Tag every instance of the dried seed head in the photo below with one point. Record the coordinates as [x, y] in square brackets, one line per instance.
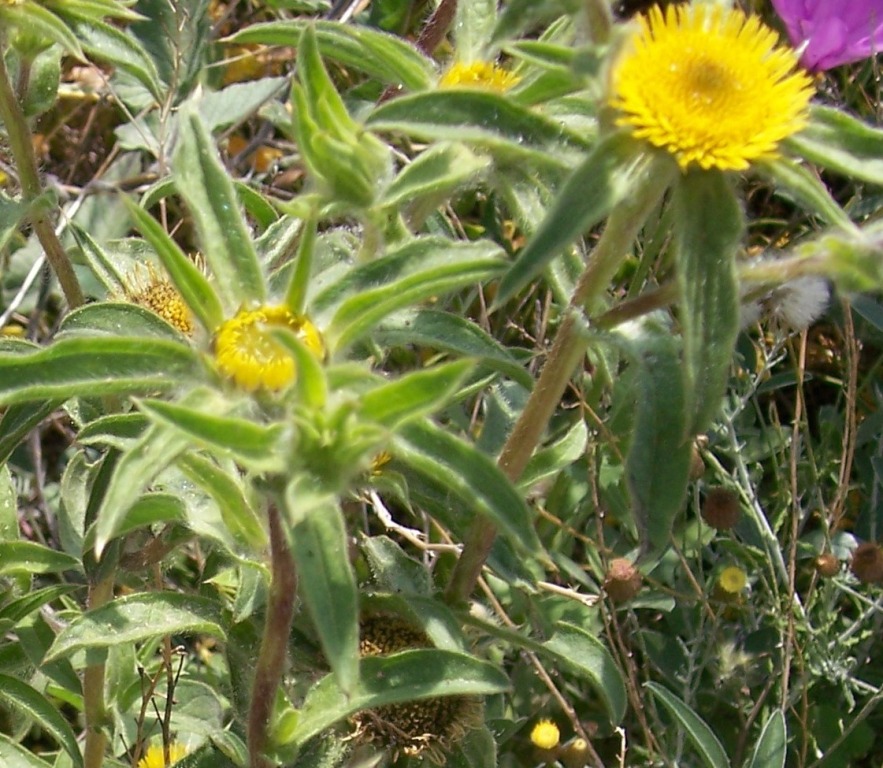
[867, 563]
[426, 728]
[721, 509]
[623, 580]
[827, 565]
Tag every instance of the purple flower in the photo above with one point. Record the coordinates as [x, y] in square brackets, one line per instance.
[833, 32]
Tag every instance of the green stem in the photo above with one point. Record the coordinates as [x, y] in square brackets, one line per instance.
[274, 644]
[100, 593]
[22, 148]
[567, 351]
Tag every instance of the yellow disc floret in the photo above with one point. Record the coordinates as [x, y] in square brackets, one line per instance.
[247, 353]
[710, 85]
[484, 75]
[732, 580]
[545, 735]
[154, 757]
[146, 287]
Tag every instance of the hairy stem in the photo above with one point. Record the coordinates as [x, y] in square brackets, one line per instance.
[22, 148]
[274, 644]
[567, 351]
[437, 26]
[100, 593]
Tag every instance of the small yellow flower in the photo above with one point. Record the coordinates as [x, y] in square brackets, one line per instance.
[732, 580]
[155, 758]
[155, 292]
[483, 75]
[247, 353]
[709, 85]
[545, 735]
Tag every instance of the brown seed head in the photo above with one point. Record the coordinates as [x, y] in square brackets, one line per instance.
[827, 565]
[867, 563]
[623, 580]
[721, 509]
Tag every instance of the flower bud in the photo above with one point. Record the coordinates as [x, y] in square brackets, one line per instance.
[867, 563]
[827, 565]
[721, 509]
[623, 580]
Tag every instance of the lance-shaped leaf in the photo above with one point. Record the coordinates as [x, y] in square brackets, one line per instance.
[13, 755]
[708, 231]
[471, 477]
[39, 21]
[386, 57]
[399, 280]
[772, 746]
[610, 173]
[839, 142]
[191, 283]
[658, 461]
[136, 618]
[451, 333]
[203, 422]
[117, 319]
[23, 697]
[22, 607]
[28, 557]
[204, 184]
[18, 420]
[482, 118]
[94, 367]
[575, 648]
[238, 515]
[706, 743]
[415, 394]
[411, 675]
[325, 578]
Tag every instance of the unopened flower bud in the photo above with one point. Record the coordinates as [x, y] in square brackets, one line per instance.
[827, 565]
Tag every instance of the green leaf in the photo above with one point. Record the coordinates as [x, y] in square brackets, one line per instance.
[658, 462]
[549, 461]
[573, 647]
[483, 118]
[470, 476]
[148, 510]
[23, 697]
[400, 279]
[805, 187]
[386, 57]
[253, 444]
[116, 319]
[473, 26]
[437, 172]
[609, 174]
[107, 43]
[94, 367]
[325, 579]
[21, 607]
[710, 749]
[414, 394]
[96, 257]
[238, 515]
[311, 384]
[14, 756]
[17, 422]
[8, 505]
[708, 231]
[158, 447]
[521, 15]
[772, 746]
[28, 557]
[136, 618]
[451, 333]
[117, 430]
[412, 675]
[37, 21]
[236, 102]
[188, 278]
[204, 184]
[392, 570]
[839, 142]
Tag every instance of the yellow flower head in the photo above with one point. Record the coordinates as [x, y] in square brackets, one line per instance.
[247, 353]
[155, 758]
[709, 85]
[545, 735]
[732, 580]
[483, 75]
[155, 292]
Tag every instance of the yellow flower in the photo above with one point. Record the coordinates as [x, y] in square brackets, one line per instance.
[155, 758]
[545, 735]
[732, 580]
[710, 86]
[155, 292]
[483, 75]
[246, 351]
